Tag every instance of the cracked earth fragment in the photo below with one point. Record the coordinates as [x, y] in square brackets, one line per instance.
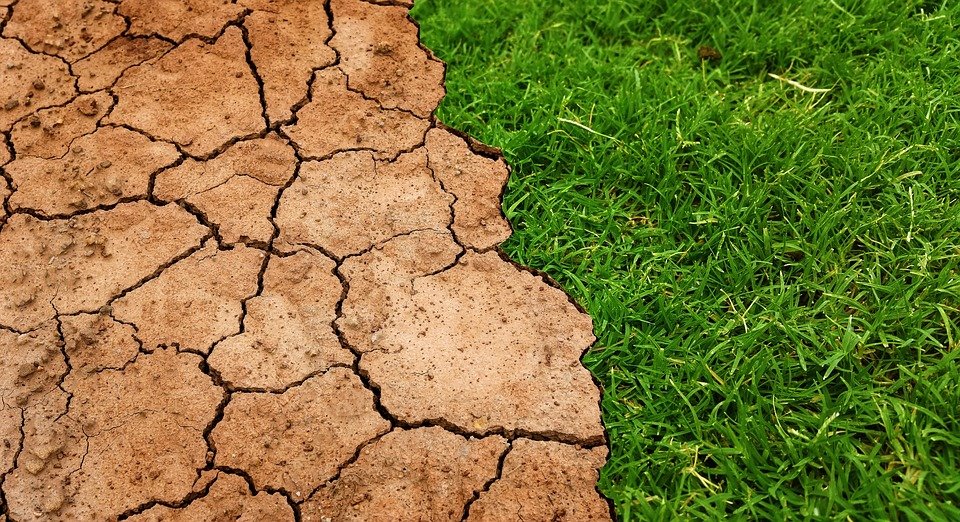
[70, 29]
[237, 189]
[102, 68]
[30, 81]
[49, 132]
[208, 287]
[337, 119]
[564, 475]
[121, 444]
[101, 168]
[409, 473]
[482, 345]
[246, 275]
[178, 19]
[476, 182]
[229, 498]
[288, 41]
[297, 440]
[381, 54]
[301, 293]
[79, 264]
[400, 197]
[198, 95]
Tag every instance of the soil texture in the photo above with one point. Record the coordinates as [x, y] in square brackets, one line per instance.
[245, 274]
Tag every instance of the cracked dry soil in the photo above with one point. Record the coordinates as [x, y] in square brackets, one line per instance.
[246, 275]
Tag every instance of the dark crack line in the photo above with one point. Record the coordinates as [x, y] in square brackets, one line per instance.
[105, 207]
[181, 504]
[349, 462]
[62, 344]
[390, 3]
[251, 485]
[280, 391]
[486, 486]
[212, 39]
[156, 273]
[245, 35]
[4, 506]
[211, 372]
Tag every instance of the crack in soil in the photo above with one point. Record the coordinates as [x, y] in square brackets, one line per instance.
[486, 487]
[447, 345]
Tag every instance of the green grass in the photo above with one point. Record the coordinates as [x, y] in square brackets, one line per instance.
[773, 273]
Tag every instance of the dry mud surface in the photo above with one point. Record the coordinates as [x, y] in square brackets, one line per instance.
[246, 275]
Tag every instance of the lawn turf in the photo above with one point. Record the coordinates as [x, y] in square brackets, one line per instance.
[768, 242]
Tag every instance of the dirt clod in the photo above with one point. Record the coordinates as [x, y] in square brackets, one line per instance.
[246, 275]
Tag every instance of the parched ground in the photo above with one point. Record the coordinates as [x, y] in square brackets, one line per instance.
[245, 274]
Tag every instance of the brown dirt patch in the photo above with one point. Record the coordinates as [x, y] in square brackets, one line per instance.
[246, 275]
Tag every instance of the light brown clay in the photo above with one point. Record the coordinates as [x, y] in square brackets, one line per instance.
[177, 19]
[337, 120]
[399, 197]
[123, 444]
[198, 95]
[380, 53]
[195, 302]
[71, 29]
[227, 499]
[298, 440]
[237, 189]
[29, 82]
[482, 345]
[67, 266]
[564, 478]
[100, 168]
[420, 474]
[301, 293]
[4, 151]
[49, 132]
[288, 41]
[246, 275]
[477, 182]
[102, 68]
[4, 196]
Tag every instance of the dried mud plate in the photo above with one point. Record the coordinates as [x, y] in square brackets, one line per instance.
[245, 274]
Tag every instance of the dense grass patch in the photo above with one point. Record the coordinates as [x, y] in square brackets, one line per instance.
[772, 267]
